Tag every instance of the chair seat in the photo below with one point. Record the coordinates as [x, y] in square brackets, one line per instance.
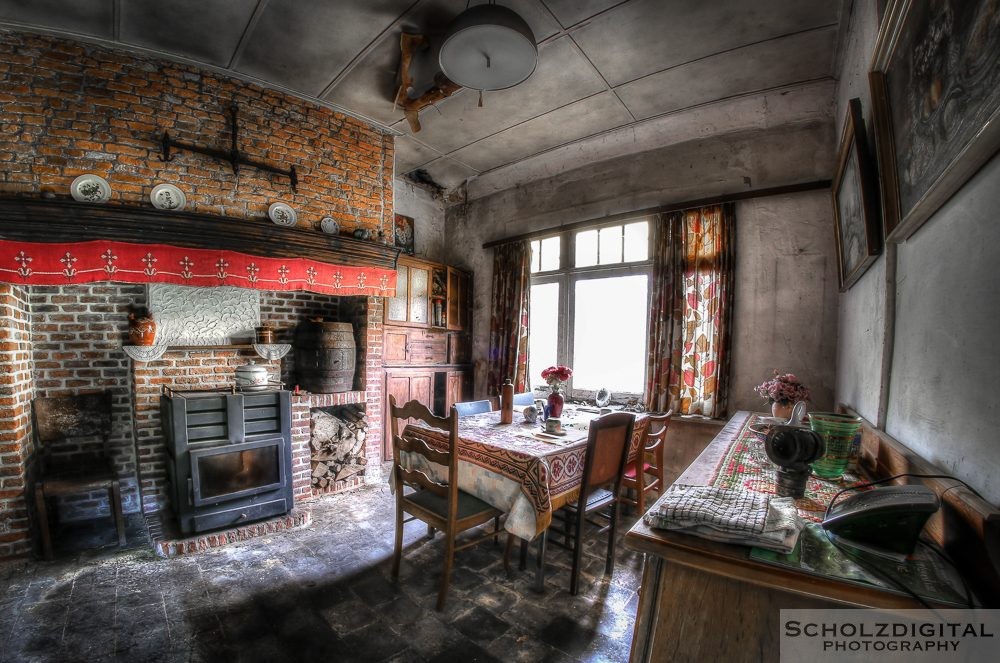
[469, 506]
[598, 498]
[647, 468]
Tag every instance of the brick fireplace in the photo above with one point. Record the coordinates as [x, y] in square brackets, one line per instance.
[82, 108]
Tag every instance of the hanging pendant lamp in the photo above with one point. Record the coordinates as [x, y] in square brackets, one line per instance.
[488, 47]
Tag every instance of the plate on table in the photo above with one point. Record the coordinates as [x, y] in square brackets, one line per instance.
[281, 214]
[90, 188]
[772, 421]
[167, 196]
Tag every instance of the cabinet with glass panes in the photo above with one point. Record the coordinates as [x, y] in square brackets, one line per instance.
[430, 295]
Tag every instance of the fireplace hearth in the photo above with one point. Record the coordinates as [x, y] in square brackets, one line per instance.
[230, 456]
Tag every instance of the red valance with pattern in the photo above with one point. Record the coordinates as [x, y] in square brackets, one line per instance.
[43, 263]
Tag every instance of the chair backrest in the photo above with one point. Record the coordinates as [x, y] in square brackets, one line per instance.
[473, 407]
[656, 432]
[445, 486]
[524, 399]
[607, 449]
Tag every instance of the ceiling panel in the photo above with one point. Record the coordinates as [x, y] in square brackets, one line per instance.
[168, 26]
[644, 36]
[304, 44]
[583, 118]
[769, 64]
[86, 17]
[410, 154]
[562, 77]
[448, 173]
[571, 12]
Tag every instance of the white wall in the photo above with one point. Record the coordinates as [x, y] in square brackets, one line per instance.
[427, 210]
[796, 230]
[942, 395]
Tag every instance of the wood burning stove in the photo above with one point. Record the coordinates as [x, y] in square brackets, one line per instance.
[230, 456]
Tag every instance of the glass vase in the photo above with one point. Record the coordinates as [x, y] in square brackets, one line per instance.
[556, 401]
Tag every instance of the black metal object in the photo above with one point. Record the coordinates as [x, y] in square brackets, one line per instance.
[233, 156]
[230, 456]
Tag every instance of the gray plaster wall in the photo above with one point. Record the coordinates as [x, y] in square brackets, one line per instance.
[786, 296]
[943, 400]
[940, 398]
[798, 229]
[428, 212]
[861, 337]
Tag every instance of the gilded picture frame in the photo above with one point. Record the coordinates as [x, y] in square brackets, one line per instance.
[935, 86]
[855, 201]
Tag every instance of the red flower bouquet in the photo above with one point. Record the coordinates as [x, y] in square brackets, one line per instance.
[556, 375]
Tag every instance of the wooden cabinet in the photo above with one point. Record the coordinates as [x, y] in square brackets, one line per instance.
[427, 338]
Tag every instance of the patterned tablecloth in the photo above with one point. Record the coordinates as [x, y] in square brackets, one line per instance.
[510, 467]
[745, 465]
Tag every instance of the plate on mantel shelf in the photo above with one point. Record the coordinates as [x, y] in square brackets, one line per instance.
[281, 214]
[90, 188]
[168, 197]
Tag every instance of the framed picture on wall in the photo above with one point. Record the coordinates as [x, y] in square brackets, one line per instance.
[935, 85]
[855, 201]
[403, 234]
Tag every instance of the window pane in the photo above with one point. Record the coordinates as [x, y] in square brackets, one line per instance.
[611, 245]
[636, 241]
[544, 321]
[609, 326]
[535, 258]
[550, 254]
[586, 248]
[418, 295]
[397, 304]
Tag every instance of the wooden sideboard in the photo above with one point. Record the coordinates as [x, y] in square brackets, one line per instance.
[702, 600]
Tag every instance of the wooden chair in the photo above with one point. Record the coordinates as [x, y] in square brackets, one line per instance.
[439, 503]
[473, 407]
[61, 418]
[650, 460]
[607, 451]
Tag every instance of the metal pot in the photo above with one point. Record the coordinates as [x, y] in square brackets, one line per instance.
[251, 375]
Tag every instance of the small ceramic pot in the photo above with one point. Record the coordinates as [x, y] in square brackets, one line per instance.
[251, 376]
[531, 414]
[141, 329]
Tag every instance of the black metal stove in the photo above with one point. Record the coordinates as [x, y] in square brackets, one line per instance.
[230, 456]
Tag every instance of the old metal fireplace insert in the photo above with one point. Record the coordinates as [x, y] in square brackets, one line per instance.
[230, 456]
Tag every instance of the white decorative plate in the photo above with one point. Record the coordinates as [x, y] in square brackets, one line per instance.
[167, 196]
[329, 225]
[90, 189]
[281, 214]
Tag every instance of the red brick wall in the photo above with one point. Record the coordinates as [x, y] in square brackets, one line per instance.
[15, 420]
[68, 108]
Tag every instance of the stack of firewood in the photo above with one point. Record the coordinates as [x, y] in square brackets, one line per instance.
[338, 446]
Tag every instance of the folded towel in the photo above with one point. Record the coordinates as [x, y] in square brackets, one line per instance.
[730, 516]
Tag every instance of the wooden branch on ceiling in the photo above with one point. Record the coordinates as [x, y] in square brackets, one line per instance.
[443, 87]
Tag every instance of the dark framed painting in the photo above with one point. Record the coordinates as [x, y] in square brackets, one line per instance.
[935, 85]
[403, 234]
[855, 201]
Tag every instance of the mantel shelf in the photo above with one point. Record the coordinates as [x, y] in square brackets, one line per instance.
[36, 220]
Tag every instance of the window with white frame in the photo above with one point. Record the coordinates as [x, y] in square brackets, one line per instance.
[589, 303]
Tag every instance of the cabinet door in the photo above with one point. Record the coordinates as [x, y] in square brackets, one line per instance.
[458, 296]
[422, 389]
[395, 349]
[454, 389]
[396, 307]
[419, 289]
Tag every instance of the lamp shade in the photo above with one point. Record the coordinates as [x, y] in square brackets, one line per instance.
[488, 47]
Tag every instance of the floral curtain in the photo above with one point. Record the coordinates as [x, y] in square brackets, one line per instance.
[508, 353]
[691, 311]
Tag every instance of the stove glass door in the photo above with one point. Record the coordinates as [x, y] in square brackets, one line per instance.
[233, 471]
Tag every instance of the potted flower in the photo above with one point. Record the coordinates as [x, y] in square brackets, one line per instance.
[556, 376]
[782, 392]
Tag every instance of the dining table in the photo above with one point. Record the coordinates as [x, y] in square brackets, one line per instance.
[520, 469]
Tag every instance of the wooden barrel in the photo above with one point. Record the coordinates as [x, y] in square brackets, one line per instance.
[325, 356]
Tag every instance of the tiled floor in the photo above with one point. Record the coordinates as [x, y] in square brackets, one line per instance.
[321, 593]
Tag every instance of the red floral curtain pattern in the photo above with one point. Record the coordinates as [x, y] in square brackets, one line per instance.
[690, 352]
[508, 353]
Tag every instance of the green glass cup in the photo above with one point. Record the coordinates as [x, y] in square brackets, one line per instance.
[838, 432]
